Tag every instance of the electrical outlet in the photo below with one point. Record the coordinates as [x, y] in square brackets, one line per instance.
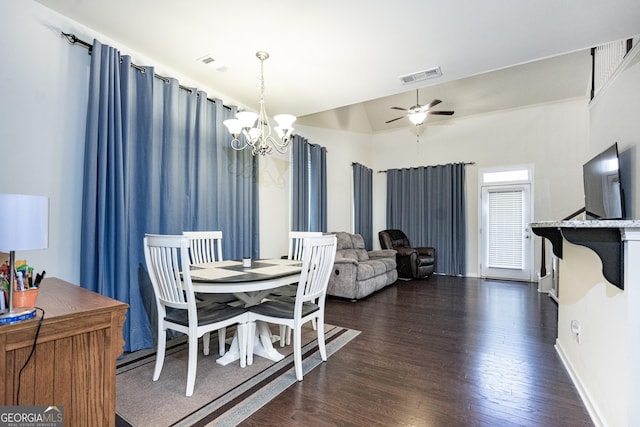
[575, 329]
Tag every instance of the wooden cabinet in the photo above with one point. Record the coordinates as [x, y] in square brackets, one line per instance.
[74, 362]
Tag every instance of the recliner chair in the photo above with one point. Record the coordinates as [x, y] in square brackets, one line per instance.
[412, 263]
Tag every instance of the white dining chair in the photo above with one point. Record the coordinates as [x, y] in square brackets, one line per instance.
[206, 247]
[317, 262]
[178, 309]
[295, 249]
[296, 240]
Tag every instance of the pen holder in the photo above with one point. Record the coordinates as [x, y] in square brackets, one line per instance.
[23, 299]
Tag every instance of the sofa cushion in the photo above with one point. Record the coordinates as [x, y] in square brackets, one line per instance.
[352, 245]
[357, 241]
[362, 254]
[358, 245]
[348, 254]
[372, 268]
[343, 240]
[398, 238]
[425, 260]
[389, 263]
[365, 271]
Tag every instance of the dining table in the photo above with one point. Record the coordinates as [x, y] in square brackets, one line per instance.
[251, 285]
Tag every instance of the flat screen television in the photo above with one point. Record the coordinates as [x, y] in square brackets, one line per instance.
[603, 193]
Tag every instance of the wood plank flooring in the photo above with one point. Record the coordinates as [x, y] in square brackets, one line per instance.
[447, 351]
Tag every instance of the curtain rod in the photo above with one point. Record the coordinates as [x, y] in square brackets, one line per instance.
[432, 166]
[73, 39]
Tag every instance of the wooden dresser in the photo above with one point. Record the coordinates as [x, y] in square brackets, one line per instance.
[74, 363]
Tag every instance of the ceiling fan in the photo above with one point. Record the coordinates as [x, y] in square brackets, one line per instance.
[418, 113]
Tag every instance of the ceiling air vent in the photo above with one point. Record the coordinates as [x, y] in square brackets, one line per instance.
[421, 75]
[213, 63]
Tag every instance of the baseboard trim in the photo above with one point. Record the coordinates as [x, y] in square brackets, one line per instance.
[582, 391]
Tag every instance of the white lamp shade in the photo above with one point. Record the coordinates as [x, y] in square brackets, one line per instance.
[233, 125]
[24, 222]
[417, 118]
[247, 118]
[284, 133]
[254, 134]
[285, 121]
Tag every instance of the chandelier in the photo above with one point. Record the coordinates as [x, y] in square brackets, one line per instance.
[253, 130]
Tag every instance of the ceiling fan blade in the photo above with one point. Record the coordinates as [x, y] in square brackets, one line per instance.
[433, 103]
[393, 120]
[442, 113]
[399, 108]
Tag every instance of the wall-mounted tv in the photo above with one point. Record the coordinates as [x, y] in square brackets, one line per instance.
[603, 193]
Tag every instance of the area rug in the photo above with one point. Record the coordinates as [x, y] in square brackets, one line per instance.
[223, 395]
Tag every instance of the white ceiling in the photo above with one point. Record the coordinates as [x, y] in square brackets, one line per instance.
[347, 55]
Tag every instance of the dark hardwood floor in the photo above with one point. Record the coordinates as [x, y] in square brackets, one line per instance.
[446, 351]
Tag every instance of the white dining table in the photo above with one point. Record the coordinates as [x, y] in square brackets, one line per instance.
[250, 285]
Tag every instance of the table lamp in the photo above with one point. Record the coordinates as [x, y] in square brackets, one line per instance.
[24, 225]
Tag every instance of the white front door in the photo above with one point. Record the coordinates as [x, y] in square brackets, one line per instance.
[505, 236]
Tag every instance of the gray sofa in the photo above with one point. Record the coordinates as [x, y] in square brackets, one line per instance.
[358, 272]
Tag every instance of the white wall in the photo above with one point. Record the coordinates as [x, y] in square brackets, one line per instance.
[604, 363]
[275, 181]
[615, 118]
[599, 361]
[44, 83]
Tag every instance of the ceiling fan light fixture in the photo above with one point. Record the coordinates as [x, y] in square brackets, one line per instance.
[418, 118]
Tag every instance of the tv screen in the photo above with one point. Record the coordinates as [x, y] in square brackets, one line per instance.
[603, 196]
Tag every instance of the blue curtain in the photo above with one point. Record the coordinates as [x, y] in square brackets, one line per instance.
[308, 186]
[157, 160]
[363, 203]
[428, 204]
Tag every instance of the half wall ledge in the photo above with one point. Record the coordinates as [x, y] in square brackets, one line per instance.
[604, 237]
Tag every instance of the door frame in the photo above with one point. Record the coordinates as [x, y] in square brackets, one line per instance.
[505, 177]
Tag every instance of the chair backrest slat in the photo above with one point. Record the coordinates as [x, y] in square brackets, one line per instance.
[296, 243]
[204, 246]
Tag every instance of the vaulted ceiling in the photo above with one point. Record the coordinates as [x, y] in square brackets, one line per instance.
[338, 63]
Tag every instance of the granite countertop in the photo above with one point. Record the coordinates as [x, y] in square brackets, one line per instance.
[609, 223]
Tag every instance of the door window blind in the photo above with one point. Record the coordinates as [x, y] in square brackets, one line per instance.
[505, 227]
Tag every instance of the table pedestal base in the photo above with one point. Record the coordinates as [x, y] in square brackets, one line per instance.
[262, 346]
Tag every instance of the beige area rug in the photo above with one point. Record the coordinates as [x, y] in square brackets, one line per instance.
[223, 395]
